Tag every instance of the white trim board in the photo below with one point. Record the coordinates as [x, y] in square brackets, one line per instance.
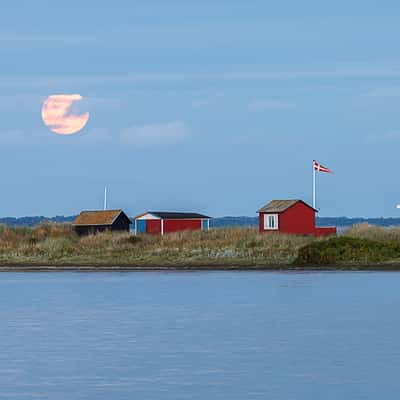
[148, 216]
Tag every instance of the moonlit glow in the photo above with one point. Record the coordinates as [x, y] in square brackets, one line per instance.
[59, 117]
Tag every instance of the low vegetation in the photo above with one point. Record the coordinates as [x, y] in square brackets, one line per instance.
[57, 244]
[373, 232]
[348, 250]
[362, 244]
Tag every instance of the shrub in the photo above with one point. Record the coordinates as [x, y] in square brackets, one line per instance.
[344, 249]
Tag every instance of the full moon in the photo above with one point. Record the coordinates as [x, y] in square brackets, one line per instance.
[59, 115]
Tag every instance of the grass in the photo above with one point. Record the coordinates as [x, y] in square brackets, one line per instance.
[372, 232]
[57, 244]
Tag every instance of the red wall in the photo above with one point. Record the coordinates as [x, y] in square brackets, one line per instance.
[153, 226]
[325, 231]
[298, 219]
[261, 222]
[175, 225]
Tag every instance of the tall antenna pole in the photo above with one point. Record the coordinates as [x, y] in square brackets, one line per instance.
[105, 198]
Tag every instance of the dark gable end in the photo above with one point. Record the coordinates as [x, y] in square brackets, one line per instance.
[121, 220]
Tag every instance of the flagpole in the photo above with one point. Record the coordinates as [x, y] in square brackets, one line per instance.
[313, 192]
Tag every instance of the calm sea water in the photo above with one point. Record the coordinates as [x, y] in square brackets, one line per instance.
[214, 335]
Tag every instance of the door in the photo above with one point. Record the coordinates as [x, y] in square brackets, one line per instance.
[204, 224]
[140, 226]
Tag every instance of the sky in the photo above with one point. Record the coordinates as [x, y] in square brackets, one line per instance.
[210, 106]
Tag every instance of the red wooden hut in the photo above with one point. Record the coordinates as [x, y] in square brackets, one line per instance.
[292, 217]
[160, 222]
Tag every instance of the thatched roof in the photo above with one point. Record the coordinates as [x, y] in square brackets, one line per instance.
[106, 217]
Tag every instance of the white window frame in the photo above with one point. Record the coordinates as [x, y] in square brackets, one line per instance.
[267, 226]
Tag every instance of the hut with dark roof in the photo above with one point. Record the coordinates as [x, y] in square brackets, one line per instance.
[160, 222]
[99, 221]
[291, 217]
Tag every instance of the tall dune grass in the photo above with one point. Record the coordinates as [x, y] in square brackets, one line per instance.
[373, 232]
[49, 243]
[58, 244]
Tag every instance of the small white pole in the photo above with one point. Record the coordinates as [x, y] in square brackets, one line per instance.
[314, 189]
[162, 227]
[105, 198]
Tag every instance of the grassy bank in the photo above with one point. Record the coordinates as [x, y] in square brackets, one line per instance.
[58, 245]
[360, 245]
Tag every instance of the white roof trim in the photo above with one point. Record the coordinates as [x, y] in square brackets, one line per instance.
[147, 216]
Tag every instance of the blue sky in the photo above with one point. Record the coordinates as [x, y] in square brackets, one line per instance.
[212, 106]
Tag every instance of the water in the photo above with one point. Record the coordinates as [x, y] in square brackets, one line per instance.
[214, 335]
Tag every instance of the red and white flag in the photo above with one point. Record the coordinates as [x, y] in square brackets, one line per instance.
[320, 168]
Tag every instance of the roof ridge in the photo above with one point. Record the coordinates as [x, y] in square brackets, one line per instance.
[115, 209]
[281, 205]
[174, 215]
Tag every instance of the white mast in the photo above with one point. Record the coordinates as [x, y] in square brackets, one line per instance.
[105, 198]
[314, 203]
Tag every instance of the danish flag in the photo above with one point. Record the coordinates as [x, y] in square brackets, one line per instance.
[320, 168]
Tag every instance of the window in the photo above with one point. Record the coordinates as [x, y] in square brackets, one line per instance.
[270, 222]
